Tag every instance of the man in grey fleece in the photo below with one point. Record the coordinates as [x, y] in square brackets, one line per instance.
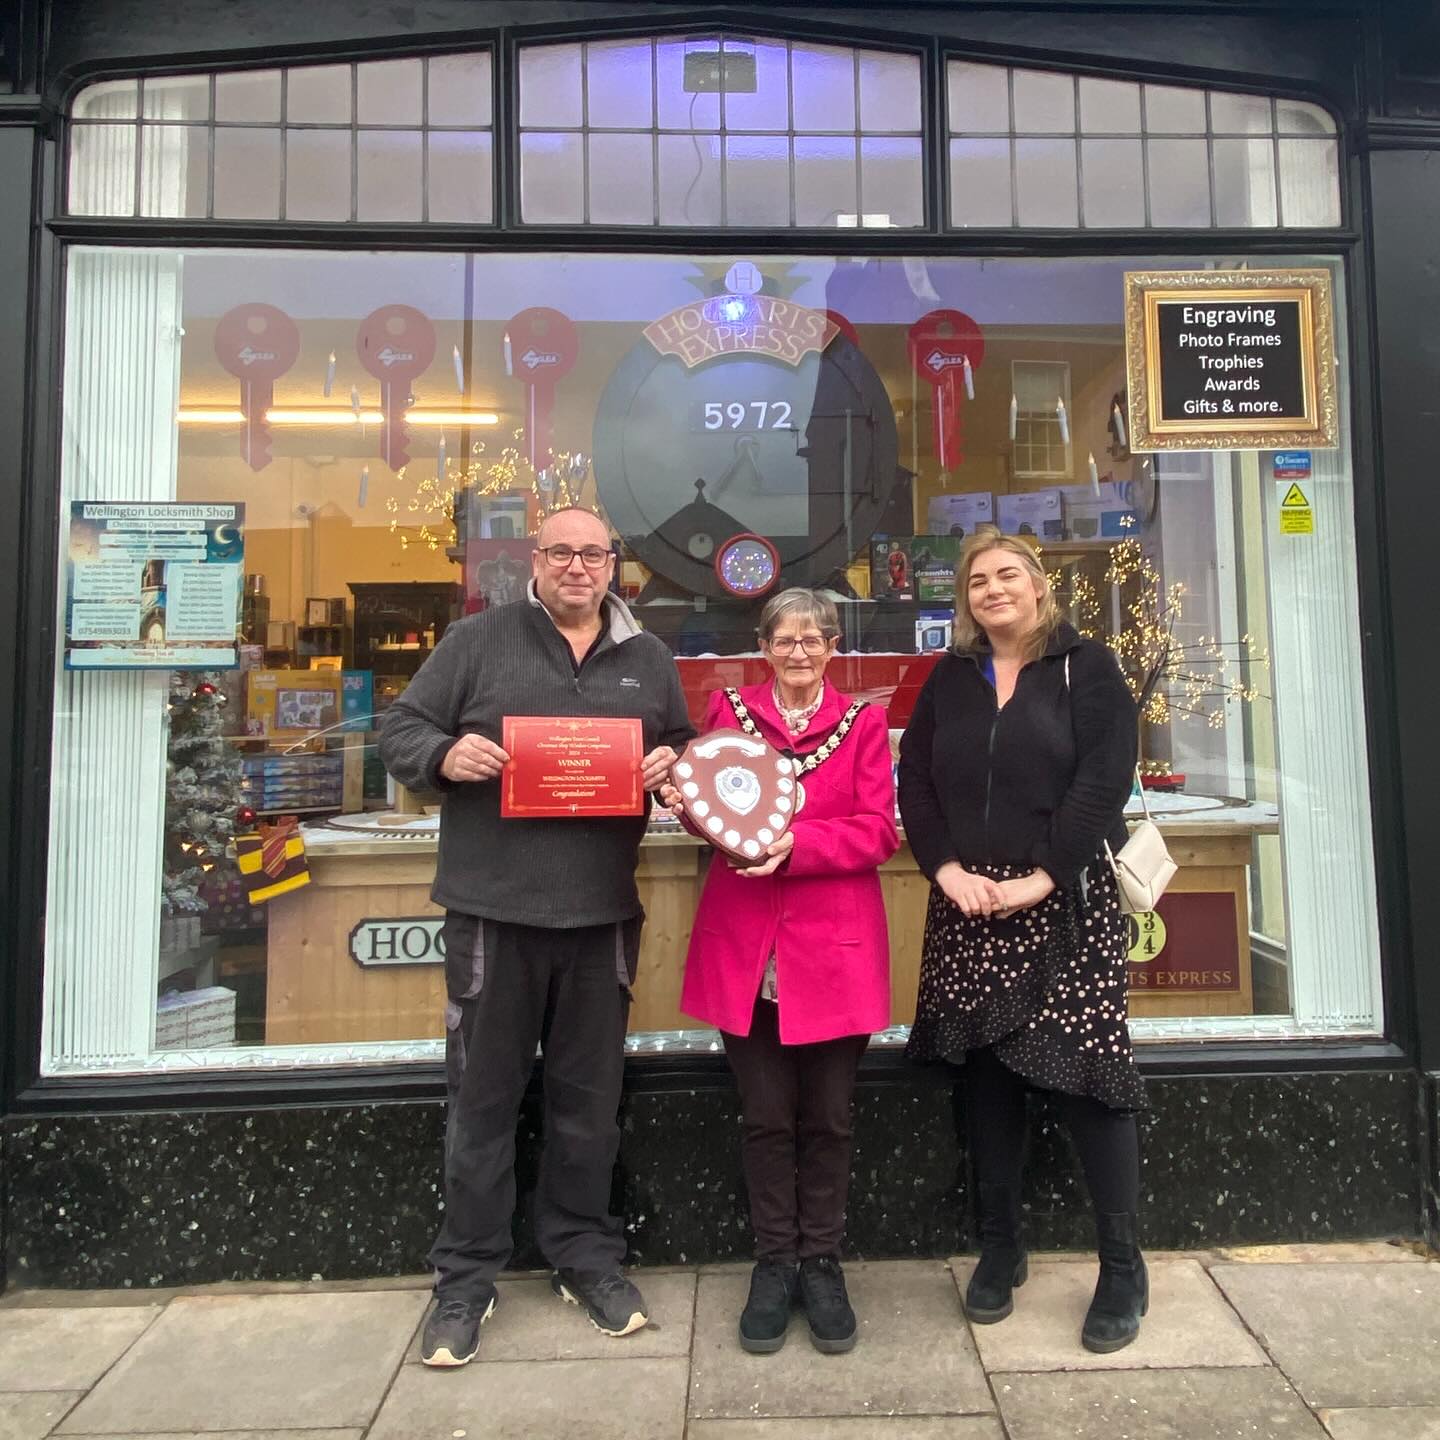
[542, 927]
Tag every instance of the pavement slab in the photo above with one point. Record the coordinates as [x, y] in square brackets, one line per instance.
[1351, 1252]
[1189, 1324]
[1249, 1404]
[914, 1355]
[639, 1399]
[232, 1435]
[1420, 1423]
[530, 1323]
[32, 1415]
[253, 1363]
[66, 1349]
[851, 1427]
[1348, 1336]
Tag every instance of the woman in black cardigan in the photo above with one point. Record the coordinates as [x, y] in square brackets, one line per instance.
[1014, 771]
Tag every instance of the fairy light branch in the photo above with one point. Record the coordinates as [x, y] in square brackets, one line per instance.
[556, 486]
[1168, 676]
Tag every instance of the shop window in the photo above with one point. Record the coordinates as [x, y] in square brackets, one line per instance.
[720, 132]
[385, 140]
[376, 515]
[1034, 149]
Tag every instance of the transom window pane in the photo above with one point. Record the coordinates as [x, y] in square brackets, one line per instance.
[745, 133]
[400, 141]
[1147, 155]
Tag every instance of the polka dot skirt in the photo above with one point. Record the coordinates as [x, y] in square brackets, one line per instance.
[1045, 988]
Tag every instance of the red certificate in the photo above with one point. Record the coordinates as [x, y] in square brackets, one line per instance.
[569, 766]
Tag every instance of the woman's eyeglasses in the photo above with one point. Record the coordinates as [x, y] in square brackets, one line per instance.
[592, 557]
[785, 644]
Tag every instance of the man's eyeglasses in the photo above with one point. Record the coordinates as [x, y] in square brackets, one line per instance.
[592, 557]
[810, 644]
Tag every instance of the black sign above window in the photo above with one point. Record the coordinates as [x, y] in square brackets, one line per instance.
[1230, 360]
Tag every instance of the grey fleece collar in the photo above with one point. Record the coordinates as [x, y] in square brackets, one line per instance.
[623, 625]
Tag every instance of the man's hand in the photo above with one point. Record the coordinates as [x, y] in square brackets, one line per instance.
[473, 757]
[778, 853]
[655, 767]
[1025, 890]
[974, 894]
[671, 799]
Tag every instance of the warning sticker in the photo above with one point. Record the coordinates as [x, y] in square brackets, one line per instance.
[1297, 517]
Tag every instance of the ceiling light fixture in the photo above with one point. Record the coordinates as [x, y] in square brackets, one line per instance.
[320, 415]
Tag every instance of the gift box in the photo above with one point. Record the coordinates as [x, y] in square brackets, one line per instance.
[195, 1019]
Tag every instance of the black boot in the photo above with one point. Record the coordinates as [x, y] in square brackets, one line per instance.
[766, 1317]
[1122, 1294]
[827, 1305]
[1002, 1264]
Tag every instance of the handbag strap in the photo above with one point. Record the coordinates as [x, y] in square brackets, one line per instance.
[1139, 782]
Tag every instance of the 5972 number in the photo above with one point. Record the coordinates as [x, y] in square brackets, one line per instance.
[740, 415]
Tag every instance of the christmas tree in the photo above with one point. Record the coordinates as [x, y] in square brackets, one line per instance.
[202, 790]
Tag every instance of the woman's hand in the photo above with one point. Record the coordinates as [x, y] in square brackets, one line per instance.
[1025, 890]
[974, 894]
[671, 800]
[779, 853]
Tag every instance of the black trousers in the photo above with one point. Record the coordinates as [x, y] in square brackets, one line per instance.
[511, 988]
[795, 1111]
[995, 1126]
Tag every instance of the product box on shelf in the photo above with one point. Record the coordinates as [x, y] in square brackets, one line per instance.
[195, 1019]
[292, 703]
[890, 576]
[1091, 516]
[357, 699]
[1032, 512]
[933, 559]
[960, 514]
[933, 631]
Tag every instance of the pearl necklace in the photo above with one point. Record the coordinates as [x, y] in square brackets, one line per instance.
[797, 721]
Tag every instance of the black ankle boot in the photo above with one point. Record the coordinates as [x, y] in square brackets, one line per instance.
[766, 1317]
[1002, 1266]
[1122, 1294]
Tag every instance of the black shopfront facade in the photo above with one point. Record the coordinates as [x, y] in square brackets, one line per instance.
[544, 201]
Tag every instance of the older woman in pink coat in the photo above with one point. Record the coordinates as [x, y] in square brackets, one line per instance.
[790, 959]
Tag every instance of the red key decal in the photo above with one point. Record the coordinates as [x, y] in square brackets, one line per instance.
[542, 346]
[257, 344]
[946, 348]
[396, 344]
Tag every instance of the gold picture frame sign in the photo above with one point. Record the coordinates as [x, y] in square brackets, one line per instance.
[1312, 424]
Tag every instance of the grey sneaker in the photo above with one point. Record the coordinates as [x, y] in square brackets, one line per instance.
[452, 1333]
[614, 1305]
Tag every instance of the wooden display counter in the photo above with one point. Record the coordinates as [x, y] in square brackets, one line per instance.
[340, 971]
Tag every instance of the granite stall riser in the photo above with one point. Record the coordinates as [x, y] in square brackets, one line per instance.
[146, 1199]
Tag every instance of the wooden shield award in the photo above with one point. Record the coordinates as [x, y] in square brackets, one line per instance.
[738, 791]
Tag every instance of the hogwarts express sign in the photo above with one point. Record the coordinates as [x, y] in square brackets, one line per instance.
[1187, 943]
[1231, 360]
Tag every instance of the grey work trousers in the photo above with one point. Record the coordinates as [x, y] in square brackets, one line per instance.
[511, 988]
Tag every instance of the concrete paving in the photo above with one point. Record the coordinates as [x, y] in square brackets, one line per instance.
[1308, 1343]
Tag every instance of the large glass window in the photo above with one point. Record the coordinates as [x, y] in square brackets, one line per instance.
[1036, 149]
[381, 140]
[714, 131]
[380, 505]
